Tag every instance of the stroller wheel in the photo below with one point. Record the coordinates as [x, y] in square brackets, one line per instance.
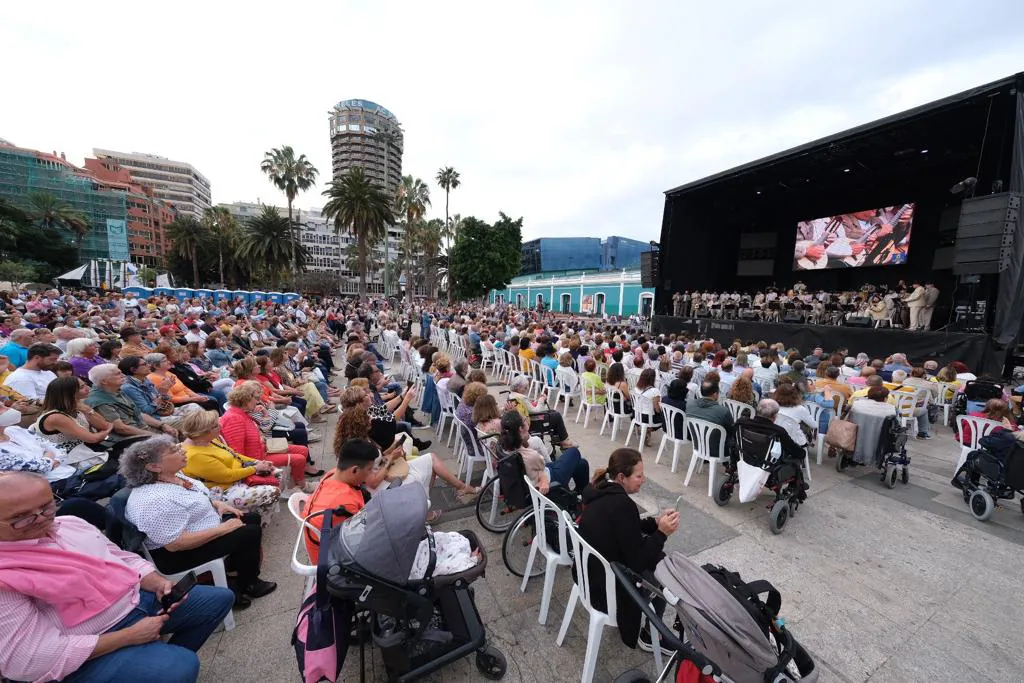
[890, 476]
[982, 505]
[491, 663]
[724, 494]
[779, 516]
[905, 475]
[633, 676]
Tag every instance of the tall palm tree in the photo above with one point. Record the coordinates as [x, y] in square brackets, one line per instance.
[268, 239]
[448, 179]
[412, 199]
[51, 212]
[361, 208]
[430, 240]
[187, 235]
[291, 175]
[223, 229]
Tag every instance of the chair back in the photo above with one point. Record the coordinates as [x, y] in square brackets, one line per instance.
[945, 392]
[547, 375]
[672, 415]
[542, 508]
[614, 398]
[568, 380]
[738, 409]
[815, 410]
[701, 431]
[632, 375]
[602, 371]
[584, 554]
[474, 449]
[589, 392]
[977, 427]
[643, 409]
[664, 379]
[445, 398]
[767, 386]
[905, 403]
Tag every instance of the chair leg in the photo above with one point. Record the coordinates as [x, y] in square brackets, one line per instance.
[549, 587]
[807, 467]
[675, 455]
[529, 566]
[220, 578]
[712, 471]
[821, 447]
[570, 607]
[661, 448]
[694, 458]
[579, 411]
[629, 434]
[604, 423]
[594, 632]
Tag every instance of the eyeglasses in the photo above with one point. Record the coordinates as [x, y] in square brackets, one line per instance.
[26, 521]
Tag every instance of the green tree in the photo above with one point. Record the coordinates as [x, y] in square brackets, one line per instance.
[17, 273]
[448, 179]
[291, 175]
[433, 264]
[362, 209]
[411, 201]
[147, 276]
[223, 230]
[484, 257]
[50, 212]
[268, 240]
[188, 236]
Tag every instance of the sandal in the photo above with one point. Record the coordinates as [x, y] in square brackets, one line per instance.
[433, 516]
[468, 493]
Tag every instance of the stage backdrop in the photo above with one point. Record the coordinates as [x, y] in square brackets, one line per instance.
[972, 349]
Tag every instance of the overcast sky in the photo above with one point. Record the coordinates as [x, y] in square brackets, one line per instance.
[576, 116]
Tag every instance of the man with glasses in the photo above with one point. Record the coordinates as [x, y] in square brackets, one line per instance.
[74, 607]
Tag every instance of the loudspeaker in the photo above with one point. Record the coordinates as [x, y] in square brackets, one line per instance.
[793, 318]
[986, 233]
[858, 321]
[649, 264]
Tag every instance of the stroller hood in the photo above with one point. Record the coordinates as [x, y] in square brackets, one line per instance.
[382, 539]
[718, 626]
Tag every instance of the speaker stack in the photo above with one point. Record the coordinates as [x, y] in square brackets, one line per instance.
[986, 233]
[858, 321]
[649, 268]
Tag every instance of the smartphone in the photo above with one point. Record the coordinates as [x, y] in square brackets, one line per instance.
[178, 593]
[402, 437]
[679, 505]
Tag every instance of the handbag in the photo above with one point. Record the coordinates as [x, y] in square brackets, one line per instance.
[842, 434]
[262, 480]
[277, 445]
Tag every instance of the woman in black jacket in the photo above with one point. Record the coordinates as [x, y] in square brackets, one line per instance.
[611, 524]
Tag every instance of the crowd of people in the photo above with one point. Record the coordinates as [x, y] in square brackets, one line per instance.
[188, 422]
[906, 306]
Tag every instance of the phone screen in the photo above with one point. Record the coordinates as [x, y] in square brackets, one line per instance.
[180, 590]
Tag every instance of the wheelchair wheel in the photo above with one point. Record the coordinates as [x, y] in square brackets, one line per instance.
[515, 549]
[779, 516]
[890, 476]
[724, 494]
[905, 475]
[491, 510]
[982, 505]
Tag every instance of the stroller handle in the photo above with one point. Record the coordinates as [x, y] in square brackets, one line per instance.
[628, 579]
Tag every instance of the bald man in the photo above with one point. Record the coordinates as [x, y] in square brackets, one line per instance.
[75, 607]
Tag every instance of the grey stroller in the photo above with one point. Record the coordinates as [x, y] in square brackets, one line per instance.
[727, 632]
[420, 626]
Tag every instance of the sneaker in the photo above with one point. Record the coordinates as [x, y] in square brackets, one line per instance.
[644, 641]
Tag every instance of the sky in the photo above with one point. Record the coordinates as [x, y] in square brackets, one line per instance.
[576, 116]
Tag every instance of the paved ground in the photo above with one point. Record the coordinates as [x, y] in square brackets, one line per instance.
[879, 585]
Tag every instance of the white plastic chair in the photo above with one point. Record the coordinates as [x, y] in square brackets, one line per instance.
[818, 438]
[908, 405]
[553, 559]
[978, 427]
[643, 419]
[944, 397]
[584, 554]
[568, 383]
[486, 358]
[671, 435]
[588, 401]
[470, 452]
[700, 432]
[612, 397]
[738, 409]
[632, 376]
[217, 571]
[447, 401]
[296, 506]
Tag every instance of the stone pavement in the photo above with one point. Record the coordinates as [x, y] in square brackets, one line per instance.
[879, 585]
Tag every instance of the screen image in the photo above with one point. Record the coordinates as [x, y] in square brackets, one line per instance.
[876, 237]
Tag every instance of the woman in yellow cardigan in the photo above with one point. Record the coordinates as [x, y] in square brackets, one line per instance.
[224, 470]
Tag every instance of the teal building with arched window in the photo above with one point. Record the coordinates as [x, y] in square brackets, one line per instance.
[587, 292]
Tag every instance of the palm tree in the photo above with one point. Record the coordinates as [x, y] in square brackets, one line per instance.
[224, 229]
[448, 179]
[430, 239]
[291, 175]
[412, 199]
[13, 223]
[268, 239]
[361, 208]
[187, 235]
[50, 212]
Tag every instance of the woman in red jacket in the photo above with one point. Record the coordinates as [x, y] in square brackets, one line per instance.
[241, 433]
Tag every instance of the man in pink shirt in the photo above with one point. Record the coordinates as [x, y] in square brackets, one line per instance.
[75, 607]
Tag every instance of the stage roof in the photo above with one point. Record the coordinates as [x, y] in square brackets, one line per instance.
[945, 132]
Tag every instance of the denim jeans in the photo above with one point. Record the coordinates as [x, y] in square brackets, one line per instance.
[570, 466]
[175, 661]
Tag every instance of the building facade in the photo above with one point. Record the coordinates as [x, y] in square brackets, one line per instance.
[176, 182]
[147, 216]
[598, 294]
[366, 135]
[105, 207]
[550, 254]
[622, 252]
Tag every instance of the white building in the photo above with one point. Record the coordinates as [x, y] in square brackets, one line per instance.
[176, 182]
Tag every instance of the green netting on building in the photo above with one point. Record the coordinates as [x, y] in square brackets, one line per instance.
[22, 173]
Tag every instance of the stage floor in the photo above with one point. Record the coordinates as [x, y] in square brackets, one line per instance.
[975, 350]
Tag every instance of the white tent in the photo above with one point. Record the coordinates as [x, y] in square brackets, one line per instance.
[76, 274]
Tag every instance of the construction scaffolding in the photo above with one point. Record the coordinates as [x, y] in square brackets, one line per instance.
[23, 172]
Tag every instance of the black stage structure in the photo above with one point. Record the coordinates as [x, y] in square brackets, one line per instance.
[736, 230]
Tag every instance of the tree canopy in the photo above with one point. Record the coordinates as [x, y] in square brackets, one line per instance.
[485, 257]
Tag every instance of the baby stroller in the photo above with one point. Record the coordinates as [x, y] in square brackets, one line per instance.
[728, 633]
[763, 463]
[975, 394]
[993, 473]
[891, 454]
[420, 626]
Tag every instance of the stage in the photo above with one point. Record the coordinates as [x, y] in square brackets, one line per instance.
[973, 349]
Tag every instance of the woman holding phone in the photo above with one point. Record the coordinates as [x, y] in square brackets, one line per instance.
[611, 523]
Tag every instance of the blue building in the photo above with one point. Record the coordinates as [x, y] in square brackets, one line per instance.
[621, 252]
[549, 254]
[614, 293]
